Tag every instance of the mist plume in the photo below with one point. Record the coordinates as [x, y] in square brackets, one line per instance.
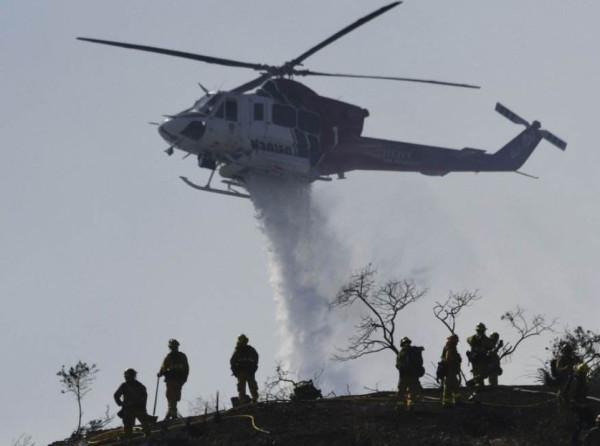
[306, 264]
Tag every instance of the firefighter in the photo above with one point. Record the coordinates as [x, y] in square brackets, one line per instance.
[175, 369]
[478, 355]
[409, 363]
[449, 372]
[494, 369]
[578, 403]
[592, 438]
[564, 368]
[580, 377]
[132, 397]
[244, 363]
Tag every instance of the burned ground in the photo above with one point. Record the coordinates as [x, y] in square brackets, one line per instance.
[508, 415]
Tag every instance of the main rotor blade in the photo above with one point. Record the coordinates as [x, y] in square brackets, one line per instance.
[341, 33]
[390, 78]
[199, 57]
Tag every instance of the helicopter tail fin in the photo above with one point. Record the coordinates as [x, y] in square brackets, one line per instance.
[514, 154]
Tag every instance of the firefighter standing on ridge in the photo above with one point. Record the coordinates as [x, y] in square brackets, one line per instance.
[244, 363]
[494, 369]
[478, 355]
[449, 372]
[175, 369]
[133, 404]
[564, 368]
[409, 363]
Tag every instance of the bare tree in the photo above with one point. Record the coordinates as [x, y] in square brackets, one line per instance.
[202, 406]
[586, 346]
[23, 440]
[377, 327]
[281, 386]
[448, 312]
[96, 425]
[525, 328]
[78, 380]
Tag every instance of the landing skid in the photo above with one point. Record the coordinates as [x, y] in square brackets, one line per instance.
[230, 191]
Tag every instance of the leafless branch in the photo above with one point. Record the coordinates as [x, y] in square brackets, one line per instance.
[524, 327]
[376, 329]
[280, 386]
[23, 440]
[448, 312]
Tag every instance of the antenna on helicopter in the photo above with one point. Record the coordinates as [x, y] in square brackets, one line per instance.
[203, 88]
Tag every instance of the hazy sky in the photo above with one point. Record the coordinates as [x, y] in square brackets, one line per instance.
[106, 254]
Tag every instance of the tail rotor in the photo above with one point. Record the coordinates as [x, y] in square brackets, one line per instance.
[513, 117]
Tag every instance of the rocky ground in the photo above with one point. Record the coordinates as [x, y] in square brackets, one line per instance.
[505, 416]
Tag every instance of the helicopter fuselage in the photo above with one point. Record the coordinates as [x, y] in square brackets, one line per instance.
[287, 129]
[283, 127]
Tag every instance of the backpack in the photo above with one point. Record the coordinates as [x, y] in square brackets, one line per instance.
[415, 360]
[441, 371]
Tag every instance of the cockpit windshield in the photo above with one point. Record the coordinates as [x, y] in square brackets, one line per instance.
[206, 104]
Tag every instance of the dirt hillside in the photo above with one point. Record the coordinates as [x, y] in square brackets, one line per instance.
[507, 415]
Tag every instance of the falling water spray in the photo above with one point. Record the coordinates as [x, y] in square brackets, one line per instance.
[307, 265]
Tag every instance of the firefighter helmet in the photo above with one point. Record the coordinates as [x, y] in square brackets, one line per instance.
[453, 339]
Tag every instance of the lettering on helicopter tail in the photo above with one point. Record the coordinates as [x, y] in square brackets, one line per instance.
[265, 146]
[395, 156]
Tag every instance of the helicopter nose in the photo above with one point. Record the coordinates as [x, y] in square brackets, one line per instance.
[168, 131]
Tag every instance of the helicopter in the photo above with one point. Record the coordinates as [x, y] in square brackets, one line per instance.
[277, 126]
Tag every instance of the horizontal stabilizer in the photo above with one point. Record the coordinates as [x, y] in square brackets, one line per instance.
[467, 151]
[553, 139]
[510, 115]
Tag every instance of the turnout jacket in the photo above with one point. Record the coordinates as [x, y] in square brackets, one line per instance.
[133, 393]
[452, 359]
[244, 359]
[175, 366]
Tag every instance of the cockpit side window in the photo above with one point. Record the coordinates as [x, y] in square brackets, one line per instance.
[231, 110]
[259, 112]
[206, 104]
[210, 105]
[220, 111]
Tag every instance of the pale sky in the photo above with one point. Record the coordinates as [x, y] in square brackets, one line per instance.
[106, 254]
